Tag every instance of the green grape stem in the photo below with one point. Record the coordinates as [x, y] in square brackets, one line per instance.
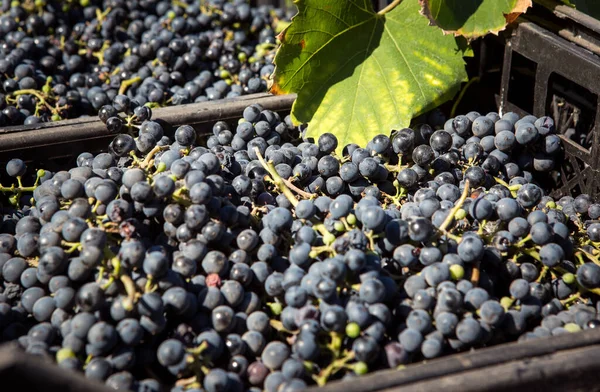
[533, 253]
[146, 162]
[523, 241]
[457, 207]
[390, 7]
[36, 94]
[127, 83]
[335, 365]
[277, 180]
[571, 299]
[543, 273]
[590, 257]
[131, 292]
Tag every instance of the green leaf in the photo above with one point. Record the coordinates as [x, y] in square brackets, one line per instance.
[473, 18]
[359, 74]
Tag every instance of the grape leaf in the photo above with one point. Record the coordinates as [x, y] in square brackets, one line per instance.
[473, 18]
[358, 73]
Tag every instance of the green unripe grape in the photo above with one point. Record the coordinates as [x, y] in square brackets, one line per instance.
[171, 14]
[506, 302]
[276, 308]
[242, 57]
[56, 117]
[15, 3]
[460, 214]
[361, 368]
[225, 74]
[572, 327]
[351, 219]
[84, 3]
[64, 353]
[161, 167]
[339, 226]
[551, 204]
[14, 200]
[328, 238]
[457, 272]
[41, 173]
[352, 330]
[46, 89]
[39, 3]
[568, 278]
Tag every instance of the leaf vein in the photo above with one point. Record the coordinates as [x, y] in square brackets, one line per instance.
[309, 31]
[323, 46]
[387, 85]
[332, 14]
[362, 68]
[407, 63]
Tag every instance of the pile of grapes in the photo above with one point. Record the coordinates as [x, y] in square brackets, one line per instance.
[65, 59]
[260, 261]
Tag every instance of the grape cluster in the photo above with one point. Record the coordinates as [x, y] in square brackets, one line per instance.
[65, 59]
[261, 261]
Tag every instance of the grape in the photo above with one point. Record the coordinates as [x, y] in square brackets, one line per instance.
[130, 331]
[43, 308]
[16, 168]
[482, 126]
[170, 352]
[529, 195]
[216, 380]
[410, 340]
[588, 275]
[419, 229]
[436, 273]
[431, 348]
[372, 291]
[541, 233]
[202, 251]
[274, 355]
[551, 254]
[470, 249]
[446, 323]
[468, 331]
[423, 155]
[519, 288]
[419, 320]
[305, 209]
[526, 133]
[475, 297]
[507, 209]
[102, 337]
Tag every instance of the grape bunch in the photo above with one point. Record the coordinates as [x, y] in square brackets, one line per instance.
[263, 261]
[66, 59]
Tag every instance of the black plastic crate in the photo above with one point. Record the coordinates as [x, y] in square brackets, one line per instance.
[24, 372]
[567, 362]
[566, 43]
[560, 363]
[57, 139]
[560, 48]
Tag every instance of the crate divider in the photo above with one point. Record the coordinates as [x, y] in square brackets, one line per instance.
[62, 138]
